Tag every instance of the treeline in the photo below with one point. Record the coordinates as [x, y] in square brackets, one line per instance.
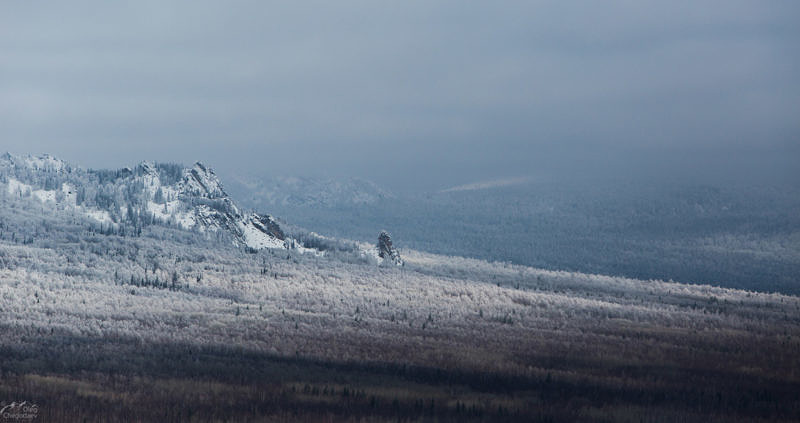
[121, 193]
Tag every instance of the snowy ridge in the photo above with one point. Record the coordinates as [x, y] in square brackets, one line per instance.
[190, 198]
[43, 163]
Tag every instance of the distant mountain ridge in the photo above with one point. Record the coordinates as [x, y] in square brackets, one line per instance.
[298, 191]
[191, 198]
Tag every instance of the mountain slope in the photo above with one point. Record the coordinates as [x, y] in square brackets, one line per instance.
[126, 199]
[174, 325]
[158, 328]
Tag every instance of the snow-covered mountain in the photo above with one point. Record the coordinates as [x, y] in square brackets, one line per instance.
[125, 199]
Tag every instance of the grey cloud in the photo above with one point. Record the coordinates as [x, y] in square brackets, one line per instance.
[445, 90]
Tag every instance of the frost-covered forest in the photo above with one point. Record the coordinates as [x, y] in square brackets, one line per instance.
[105, 323]
[735, 235]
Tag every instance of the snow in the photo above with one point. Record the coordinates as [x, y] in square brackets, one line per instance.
[18, 188]
[45, 196]
[185, 220]
[302, 300]
[369, 251]
[163, 211]
[171, 211]
[101, 216]
[45, 162]
[296, 246]
[70, 194]
[177, 203]
[254, 238]
[150, 178]
[201, 181]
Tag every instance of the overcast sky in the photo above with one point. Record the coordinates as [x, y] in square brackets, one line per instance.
[425, 94]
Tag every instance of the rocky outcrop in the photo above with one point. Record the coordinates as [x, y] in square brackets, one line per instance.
[269, 226]
[386, 250]
[191, 198]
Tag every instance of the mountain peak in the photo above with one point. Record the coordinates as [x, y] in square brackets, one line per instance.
[203, 182]
[147, 168]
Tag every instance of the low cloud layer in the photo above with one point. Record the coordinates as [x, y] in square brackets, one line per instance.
[426, 94]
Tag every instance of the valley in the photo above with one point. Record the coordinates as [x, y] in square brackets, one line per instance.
[155, 321]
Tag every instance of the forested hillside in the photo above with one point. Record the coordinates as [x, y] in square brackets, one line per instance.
[167, 323]
[124, 201]
[736, 236]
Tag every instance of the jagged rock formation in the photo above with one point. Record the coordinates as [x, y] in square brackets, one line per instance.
[386, 251]
[191, 198]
